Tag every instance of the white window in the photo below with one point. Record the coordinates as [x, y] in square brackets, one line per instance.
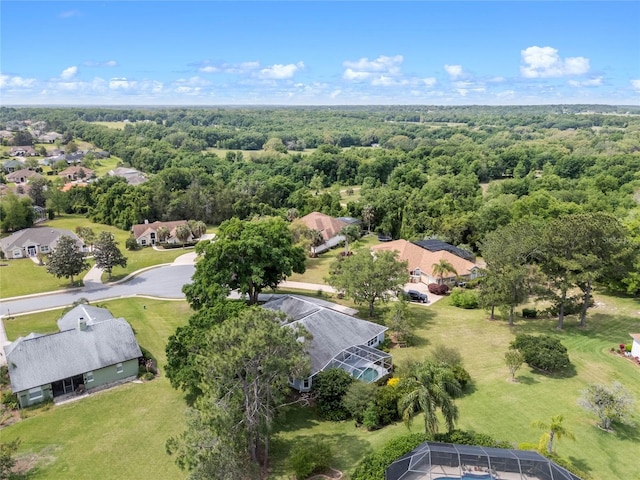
[372, 342]
[35, 393]
[88, 377]
[119, 368]
[143, 242]
[44, 248]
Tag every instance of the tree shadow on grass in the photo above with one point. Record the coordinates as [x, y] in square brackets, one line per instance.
[296, 417]
[347, 450]
[626, 432]
[527, 379]
[580, 463]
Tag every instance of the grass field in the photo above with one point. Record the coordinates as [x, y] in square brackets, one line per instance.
[115, 434]
[493, 405]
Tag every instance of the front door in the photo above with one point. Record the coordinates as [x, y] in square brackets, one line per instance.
[31, 251]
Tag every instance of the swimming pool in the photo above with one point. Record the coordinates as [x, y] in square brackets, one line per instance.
[367, 374]
[468, 476]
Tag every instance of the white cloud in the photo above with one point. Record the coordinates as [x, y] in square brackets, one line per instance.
[429, 81]
[10, 81]
[383, 71]
[209, 69]
[544, 62]
[280, 72]
[335, 93]
[233, 68]
[454, 71]
[193, 82]
[121, 84]
[593, 82]
[69, 73]
[635, 83]
[506, 94]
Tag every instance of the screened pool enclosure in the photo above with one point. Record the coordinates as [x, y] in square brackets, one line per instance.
[362, 362]
[446, 461]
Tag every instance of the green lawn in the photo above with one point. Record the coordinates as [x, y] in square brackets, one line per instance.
[493, 405]
[115, 434]
[40, 281]
[502, 409]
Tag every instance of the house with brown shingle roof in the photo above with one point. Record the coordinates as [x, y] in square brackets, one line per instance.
[329, 227]
[23, 151]
[22, 176]
[73, 173]
[147, 233]
[421, 262]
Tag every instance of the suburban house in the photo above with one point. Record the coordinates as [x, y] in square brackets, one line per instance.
[433, 460]
[329, 227]
[25, 151]
[22, 176]
[12, 165]
[421, 263]
[50, 137]
[92, 351]
[338, 340]
[435, 245]
[131, 175]
[147, 233]
[635, 346]
[31, 241]
[74, 173]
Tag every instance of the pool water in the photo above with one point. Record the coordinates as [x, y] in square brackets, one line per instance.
[368, 374]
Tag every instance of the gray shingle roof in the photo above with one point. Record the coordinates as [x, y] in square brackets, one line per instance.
[91, 315]
[35, 236]
[38, 361]
[332, 331]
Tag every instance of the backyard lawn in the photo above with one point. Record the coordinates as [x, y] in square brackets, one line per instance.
[493, 405]
[116, 434]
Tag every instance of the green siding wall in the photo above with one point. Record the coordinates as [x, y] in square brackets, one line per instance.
[23, 397]
[110, 374]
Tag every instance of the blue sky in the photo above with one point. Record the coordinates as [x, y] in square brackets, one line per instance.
[319, 53]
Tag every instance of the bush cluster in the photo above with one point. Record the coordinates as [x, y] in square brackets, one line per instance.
[438, 289]
[543, 352]
[464, 298]
[529, 313]
[309, 457]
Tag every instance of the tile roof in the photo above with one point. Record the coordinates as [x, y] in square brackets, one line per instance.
[328, 226]
[418, 257]
[142, 228]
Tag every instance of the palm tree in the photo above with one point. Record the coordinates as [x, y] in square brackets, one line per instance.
[431, 387]
[554, 430]
[351, 233]
[442, 267]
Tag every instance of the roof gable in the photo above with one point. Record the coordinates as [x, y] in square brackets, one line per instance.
[144, 228]
[41, 360]
[35, 236]
[328, 226]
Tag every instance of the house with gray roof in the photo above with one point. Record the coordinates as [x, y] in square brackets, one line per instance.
[89, 313]
[337, 340]
[31, 241]
[92, 355]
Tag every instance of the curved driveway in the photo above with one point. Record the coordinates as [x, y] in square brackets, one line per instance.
[163, 282]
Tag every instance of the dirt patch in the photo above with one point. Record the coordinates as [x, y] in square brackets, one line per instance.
[28, 461]
[332, 473]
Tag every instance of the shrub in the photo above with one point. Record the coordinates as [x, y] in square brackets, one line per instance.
[308, 457]
[386, 403]
[358, 397]
[543, 352]
[451, 357]
[529, 313]
[464, 298]
[627, 347]
[370, 417]
[9, 400]
[131, 244]
[330, 386]
[438, 289]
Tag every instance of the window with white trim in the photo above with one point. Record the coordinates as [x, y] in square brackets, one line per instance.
[119, 368]
[305, 383]
[88, 377]
[143, 242]
[35, 393]
[372, 342]
[44, 248]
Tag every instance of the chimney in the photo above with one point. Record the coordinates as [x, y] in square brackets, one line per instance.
[146, 222]
[82, 324]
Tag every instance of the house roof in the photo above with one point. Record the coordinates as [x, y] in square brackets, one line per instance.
[435, 245]
[89, 313]
[332, 331]
[144, 228]
[131, 175]
[418, 257]
[41, 360]
[74, 171]
[69, 185]
[328, 226]
[635, 336]
[24, 172]
[35, 236]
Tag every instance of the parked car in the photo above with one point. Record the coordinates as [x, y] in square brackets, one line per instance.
[416, 296]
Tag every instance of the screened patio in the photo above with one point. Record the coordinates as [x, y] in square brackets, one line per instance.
[364, 363]
[444, 461]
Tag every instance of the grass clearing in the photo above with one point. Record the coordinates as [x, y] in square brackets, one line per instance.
[118, 433]
[500, 408]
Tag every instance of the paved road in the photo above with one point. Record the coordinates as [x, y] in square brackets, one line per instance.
[165, 282]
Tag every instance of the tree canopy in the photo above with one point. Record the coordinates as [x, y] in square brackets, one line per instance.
[66, 260]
